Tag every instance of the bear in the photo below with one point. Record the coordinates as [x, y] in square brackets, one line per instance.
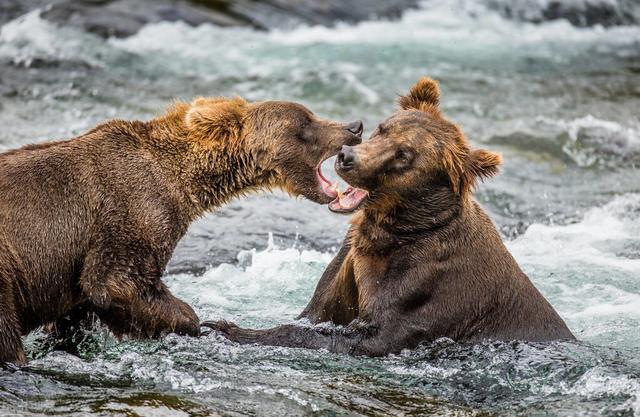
[91, 222]
[421, 260]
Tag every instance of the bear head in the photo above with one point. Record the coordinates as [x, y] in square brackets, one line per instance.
[271, 143]
[411, 154]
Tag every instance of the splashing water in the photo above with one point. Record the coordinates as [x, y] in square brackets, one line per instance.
[271, 286]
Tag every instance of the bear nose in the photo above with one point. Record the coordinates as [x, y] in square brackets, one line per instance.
[355, 127]
[346, 158]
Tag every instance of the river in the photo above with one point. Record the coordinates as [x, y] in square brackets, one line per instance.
[561, 104]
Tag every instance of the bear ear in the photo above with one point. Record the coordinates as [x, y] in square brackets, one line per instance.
[423, 95]
[480, 164]
[215, 118]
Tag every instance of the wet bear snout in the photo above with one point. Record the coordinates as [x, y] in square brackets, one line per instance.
[346, 158]
[355, 127]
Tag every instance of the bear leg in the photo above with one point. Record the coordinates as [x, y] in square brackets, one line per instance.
[130, 297]
[11, 349]
[151, 316]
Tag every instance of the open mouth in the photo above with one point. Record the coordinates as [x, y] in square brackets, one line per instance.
[349, 200]
[343, 202]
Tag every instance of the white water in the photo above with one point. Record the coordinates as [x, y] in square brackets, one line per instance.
[589, 270]
[264, 288]
[559, 102]
[585, 270]
[455, 26]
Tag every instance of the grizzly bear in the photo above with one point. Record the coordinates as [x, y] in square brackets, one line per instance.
[422, 260]
[92, 221]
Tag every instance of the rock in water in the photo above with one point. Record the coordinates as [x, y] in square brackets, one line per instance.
[122, 18]
[578, 12]
[268, 14]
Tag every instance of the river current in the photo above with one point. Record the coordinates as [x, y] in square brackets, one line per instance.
[559, 102]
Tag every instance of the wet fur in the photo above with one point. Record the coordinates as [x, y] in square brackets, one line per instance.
[88, 225]
[422, 260]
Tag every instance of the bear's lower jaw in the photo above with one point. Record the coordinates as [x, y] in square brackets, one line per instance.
[348, 201]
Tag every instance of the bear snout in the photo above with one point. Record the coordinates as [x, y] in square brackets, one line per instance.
[355, 127]
[346, 159]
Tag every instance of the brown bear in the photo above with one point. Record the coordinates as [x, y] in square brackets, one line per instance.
[422, 260]
[93, 221]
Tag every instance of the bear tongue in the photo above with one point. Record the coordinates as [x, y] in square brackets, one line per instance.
[348, 201]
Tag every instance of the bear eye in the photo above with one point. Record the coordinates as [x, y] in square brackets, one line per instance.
[381, 129]
[304, 136]
[304, 133]
[402, 156]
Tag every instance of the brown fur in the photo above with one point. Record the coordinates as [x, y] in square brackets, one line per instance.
[422, 260]
[424, 95]
[91, 222]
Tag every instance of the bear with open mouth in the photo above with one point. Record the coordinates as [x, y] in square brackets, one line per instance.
[421, 260]
[87, 225]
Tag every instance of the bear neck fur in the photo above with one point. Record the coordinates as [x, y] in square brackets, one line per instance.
[209, 171]
[390, 220]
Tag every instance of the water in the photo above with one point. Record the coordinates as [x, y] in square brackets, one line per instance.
[561, 104]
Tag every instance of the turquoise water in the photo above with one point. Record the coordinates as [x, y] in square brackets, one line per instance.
[561, 105]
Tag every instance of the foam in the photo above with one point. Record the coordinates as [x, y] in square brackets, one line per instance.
[577, 266]
[30, 37]
[597, 383]
[592, 141]
[456, 24]
[264, 287]
[457, 29]
[554, 245]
